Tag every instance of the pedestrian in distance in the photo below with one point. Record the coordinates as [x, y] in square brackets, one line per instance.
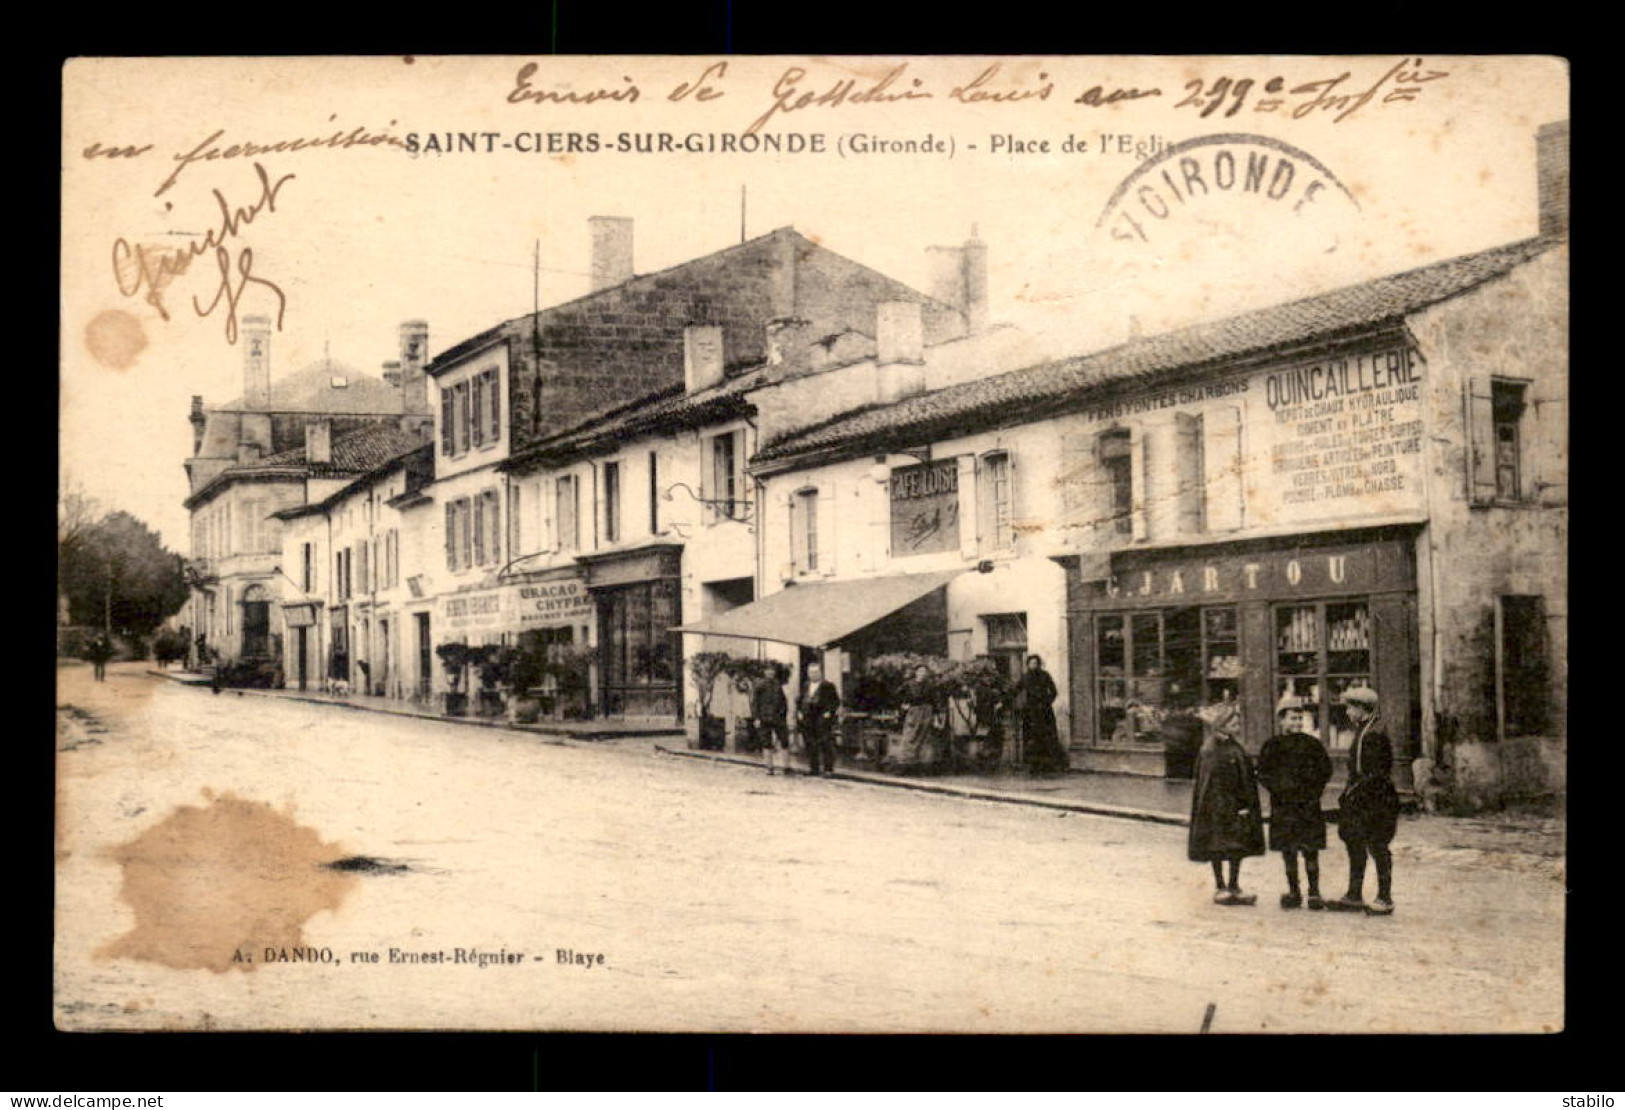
[770, 712]
[1041, 739]
[99, 651]
[817, 714]
[1294, 767]
[1226, 826]
[1368, 810]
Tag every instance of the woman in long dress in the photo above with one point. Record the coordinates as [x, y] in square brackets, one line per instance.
[1041, 739]
[919, 713]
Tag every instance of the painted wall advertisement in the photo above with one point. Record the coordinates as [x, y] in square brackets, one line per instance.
[925, 508]
[520, 606]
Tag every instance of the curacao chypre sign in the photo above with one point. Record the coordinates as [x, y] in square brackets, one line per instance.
[519, 606]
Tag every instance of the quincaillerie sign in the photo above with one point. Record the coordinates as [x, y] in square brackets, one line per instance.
[925, 508]
[1305, 572]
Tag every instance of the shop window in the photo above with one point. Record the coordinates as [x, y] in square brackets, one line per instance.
[995, 503]
[639, 654]
[1321, 650]
[612, 502]
[1117, 460]
[1523, 678]
[1154, 663]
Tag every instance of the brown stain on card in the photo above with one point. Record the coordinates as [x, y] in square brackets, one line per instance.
[208, 882]
[115, 338]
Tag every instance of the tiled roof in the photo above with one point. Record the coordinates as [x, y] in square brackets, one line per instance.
[311, 389]
[355, 453]
[1023, 394]
[670, 408]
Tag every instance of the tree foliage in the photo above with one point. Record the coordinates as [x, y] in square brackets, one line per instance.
[116, 564]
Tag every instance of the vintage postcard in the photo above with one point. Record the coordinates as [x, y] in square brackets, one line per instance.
[838, 544]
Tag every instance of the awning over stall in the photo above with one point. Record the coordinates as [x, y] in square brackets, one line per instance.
[820, 613]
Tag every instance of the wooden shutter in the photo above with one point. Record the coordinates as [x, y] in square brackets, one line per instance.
[966, 504]
[479, 530]
[448, 423]
[451, 535]
[1188, 456]
[493, 517]
[477, 405]
[1222, 469]
[493, 390]
[828, 514]
[1549, 463]
[1480, 409]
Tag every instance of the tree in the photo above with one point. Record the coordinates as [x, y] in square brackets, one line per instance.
[116, 574]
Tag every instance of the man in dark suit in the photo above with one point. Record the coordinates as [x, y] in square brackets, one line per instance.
[1368, 811]
[818, 711]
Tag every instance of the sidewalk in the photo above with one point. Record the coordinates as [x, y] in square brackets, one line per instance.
[1524, 839]
[580, 730]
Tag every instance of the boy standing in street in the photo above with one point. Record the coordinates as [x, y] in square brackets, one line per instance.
[1294, 768]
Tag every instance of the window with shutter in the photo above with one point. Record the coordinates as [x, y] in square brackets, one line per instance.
[612, 502]
[493, 524]
[477, 393]
[493, 400]
[1222, 499]
[1117, 460]
[465, 523]
[451, 535]
[448, 423]
[994, 505]
[1188, 461]
[462, 417]
[479, 531]
[564, 514]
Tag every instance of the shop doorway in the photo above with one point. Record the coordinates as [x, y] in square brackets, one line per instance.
[301, 639]
[384, 658]
[256, 622]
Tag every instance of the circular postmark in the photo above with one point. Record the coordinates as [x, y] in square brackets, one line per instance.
[1220, 179]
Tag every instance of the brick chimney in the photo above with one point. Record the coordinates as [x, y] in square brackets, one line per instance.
[899, 350]
[702, 356]
[319, 442]
[414, 359]
[611, 251]
[1552, 171]
[958, 277]
[256, 332]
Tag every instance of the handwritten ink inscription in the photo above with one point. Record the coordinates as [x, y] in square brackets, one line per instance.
[140, 269]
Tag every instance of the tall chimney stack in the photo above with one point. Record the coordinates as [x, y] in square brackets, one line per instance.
[702, 357]
[319, 442]
[899, 350]
[611, 251]
[414, 360]
[1552, 170]
[958, 277]
[256, 332]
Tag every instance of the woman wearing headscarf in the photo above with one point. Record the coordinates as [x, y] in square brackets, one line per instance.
[1226, 825]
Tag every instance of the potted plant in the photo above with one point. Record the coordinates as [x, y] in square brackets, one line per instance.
[455, 658]
[984, 693]
[523, 673]
[705, 668]
[890, 680]
[571, 667]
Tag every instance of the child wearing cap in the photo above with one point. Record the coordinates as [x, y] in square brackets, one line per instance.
[1294, 768]
[1226, 825]
[1368, 811]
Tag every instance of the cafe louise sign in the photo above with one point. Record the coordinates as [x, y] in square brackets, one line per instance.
[925, 508]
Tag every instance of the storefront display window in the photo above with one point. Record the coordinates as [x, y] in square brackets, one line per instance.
[639, 653]
[1162, 661]
[1322, 649]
